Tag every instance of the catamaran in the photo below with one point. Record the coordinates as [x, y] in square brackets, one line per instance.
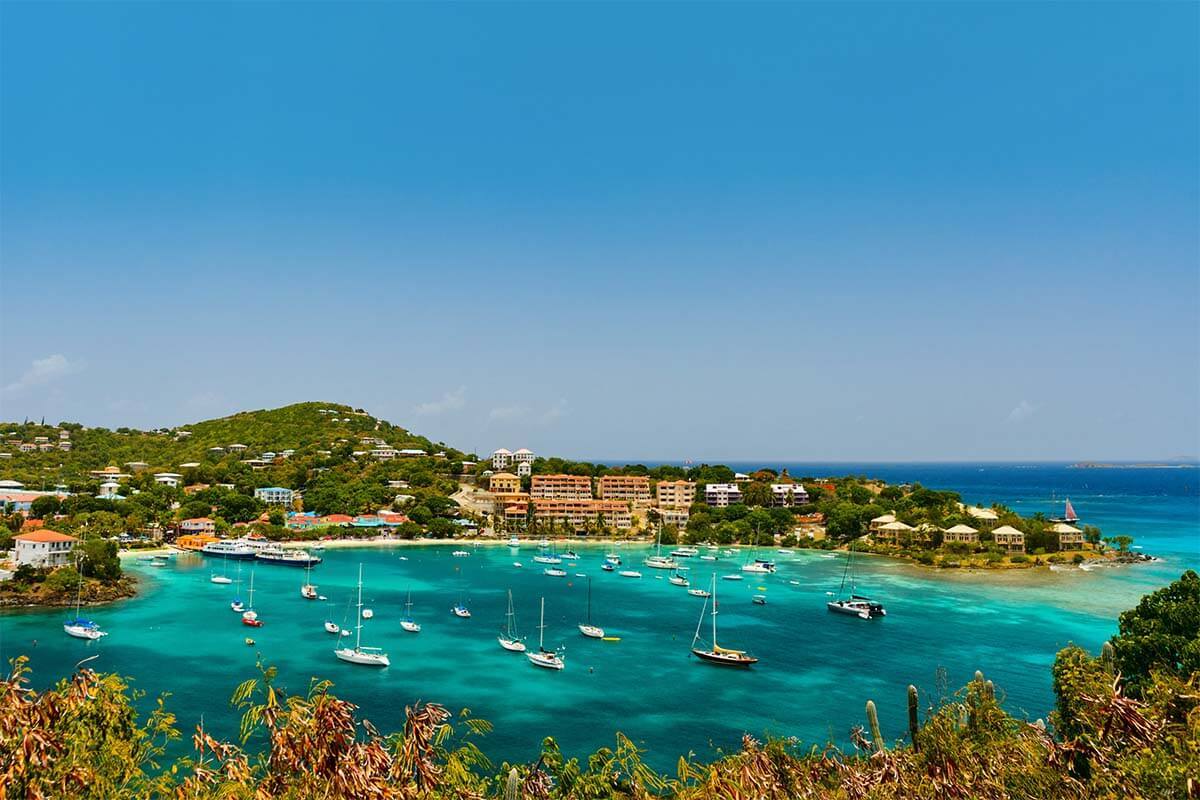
[549, 659]
[78, 626]
[658, 560]
[367, 656]
[237, 605]
[717, 654]
[407, 623]
[587, 628]
[1069, 516]
[761, 566]
[250, 616]
[855, 605]
[508, 637]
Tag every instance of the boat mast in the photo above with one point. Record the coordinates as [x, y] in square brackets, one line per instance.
[542, 628]
[251, 590]
[358, 626]
[714, 611]
[589, 622]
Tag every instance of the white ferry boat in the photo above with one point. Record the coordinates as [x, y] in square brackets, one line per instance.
[230, 548]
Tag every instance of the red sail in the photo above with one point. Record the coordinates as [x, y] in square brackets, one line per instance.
[1070, 515]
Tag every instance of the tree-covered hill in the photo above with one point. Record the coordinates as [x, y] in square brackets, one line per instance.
[306, 428]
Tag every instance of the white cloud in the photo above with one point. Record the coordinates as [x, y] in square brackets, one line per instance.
[450, 401]
[1022, 411]
[506, 412]
[43, 371]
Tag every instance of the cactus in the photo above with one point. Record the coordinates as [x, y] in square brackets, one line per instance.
[1107, 655]
[914, 724]
[512, 787]
[873, 722]
[989, 691]
[978, 676]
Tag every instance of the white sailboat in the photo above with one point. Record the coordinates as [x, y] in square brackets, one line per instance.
[237, 605]
[658, 560]
[460, 609]
[548, 659]
[587, 628]
[308, 590]
[222, 578]
[717, 654]
[508, 637]
[250, 616]
[367, 656]
[78, 626]
[407, 623]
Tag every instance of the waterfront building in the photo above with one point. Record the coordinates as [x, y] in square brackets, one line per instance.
[961, 533]
[630, 488]
[43, 548]
[561, 487]
[674, 516]
[675, 494]
[721, 495]
[198, 525]
[1069, 537]
[984, 517]
[891, 532]
[880, 521]
[504, 483]
[1009, 538]
[788, 494]
[194, 541]
[577, 513]
[274, 495]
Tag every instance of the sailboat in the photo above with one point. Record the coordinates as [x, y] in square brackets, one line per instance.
[237, 605]
[222, 578]
[508, 638]
[407, 622]
[717, 654]
[546, 558]
[367, 656]
[1069, 516]
[587, 628]
[78, 626]
[460, 609]
[308, 590]
[658, 560]
[548, 659]
[854, 604]
[250, 616]
[678, 579]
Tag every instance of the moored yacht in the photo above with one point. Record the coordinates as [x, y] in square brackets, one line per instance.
[366, 656]
[230, 548]
[547, 659]
[287, 557]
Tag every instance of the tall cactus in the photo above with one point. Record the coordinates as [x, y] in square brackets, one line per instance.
[1108, 655]
[914, 724]
[512, 787]
[873, 722]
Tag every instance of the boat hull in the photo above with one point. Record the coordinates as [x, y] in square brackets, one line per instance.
[545, 660]
[410, 626]
[724, 659]
[855, 610]
[352, 656]
[591, 631]
[511, 645]
[84, 632]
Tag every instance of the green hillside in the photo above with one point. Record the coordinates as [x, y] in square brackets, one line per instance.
[305, 428]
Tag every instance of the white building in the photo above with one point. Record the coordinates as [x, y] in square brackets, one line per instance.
[274, 495]
[44, 548]
[171, 479]
[523, 456]
[524, 469]
[501, 458]
[788, 494]
[722, 494]
[384, 453]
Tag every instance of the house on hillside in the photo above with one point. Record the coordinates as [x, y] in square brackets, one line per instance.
[43, 548]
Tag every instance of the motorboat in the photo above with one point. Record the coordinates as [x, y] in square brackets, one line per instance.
[630, 573]
[287, 557]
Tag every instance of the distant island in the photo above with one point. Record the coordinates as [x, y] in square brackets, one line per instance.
[1135, 465]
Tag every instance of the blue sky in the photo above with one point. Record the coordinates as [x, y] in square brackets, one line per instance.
[855, 231]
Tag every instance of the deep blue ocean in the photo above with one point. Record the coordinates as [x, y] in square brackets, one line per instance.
[816, 670]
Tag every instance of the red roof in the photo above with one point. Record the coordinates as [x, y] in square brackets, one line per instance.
[335, 519]
[45, 535]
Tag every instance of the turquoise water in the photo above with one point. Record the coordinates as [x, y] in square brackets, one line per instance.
[816, 669]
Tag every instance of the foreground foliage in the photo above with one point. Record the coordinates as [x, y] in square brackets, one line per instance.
[1110, 736]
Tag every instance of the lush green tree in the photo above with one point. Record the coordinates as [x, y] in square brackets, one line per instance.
[1162, 632]
[98, 559]
[63, 579]
[193, 509]
[237, 507]
[45, 507]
